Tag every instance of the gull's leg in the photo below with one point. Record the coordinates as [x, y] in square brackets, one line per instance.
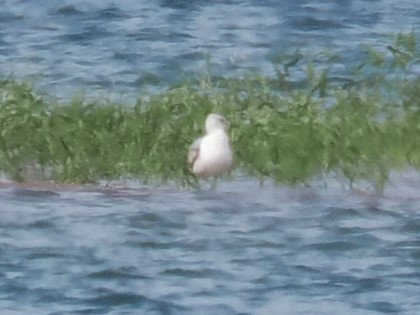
[214, 183]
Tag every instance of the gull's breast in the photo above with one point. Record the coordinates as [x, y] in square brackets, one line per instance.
[215, 156]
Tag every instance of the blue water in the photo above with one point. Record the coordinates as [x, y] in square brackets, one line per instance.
[106, 48]
[237, 250]
[241, 249]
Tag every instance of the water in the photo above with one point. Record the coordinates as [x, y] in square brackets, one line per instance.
[163, 250]
[111, 48]
[237, 250]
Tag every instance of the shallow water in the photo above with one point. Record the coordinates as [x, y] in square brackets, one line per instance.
[237, 250]
[108, 48]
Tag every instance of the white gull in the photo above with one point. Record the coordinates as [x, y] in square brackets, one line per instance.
[211, 155]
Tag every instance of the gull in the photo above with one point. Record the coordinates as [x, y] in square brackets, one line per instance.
[211, 154]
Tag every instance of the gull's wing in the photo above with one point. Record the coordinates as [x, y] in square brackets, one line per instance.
[194, 152]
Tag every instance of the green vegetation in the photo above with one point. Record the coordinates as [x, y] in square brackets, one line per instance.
[281, 128]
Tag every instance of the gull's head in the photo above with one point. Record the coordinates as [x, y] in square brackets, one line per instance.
[215, 122]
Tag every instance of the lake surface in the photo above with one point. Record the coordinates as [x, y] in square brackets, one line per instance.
[106, 48]
[241, 249]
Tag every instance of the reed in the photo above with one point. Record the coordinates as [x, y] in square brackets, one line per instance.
[285, 128]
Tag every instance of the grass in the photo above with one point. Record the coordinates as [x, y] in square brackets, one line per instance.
[282, 128]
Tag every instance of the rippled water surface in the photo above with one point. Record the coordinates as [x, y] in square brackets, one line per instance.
[105, 47]
[237, 250]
